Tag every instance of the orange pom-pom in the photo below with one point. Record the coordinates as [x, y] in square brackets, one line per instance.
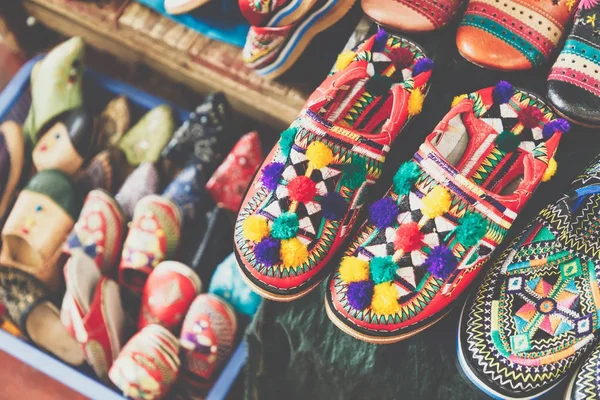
[408, 237]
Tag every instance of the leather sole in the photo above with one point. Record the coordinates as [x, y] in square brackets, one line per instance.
[571, 120]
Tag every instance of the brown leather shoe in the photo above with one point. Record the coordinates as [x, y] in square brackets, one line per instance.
[513, 34]
[412, 15]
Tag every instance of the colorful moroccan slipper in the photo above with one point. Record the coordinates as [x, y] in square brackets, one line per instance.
[304, 202]
[535, 315]
[513, 35]
[447, 210]
[412, 15]
[584, 385]
[272, 48]
[574, 80]
[11, 163]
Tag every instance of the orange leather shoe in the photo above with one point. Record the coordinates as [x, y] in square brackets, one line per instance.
[513, 35]
[412, 15]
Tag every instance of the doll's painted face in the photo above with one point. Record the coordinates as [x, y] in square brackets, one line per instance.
[55, 150]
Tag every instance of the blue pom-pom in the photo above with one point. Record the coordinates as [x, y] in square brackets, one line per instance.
[333, 206]
[441, 262]
[503, 92]
[380, 40]
[360, 294]
[271, 174]
[383, 213]
[558, 124]
[422, 65]
[267, 251]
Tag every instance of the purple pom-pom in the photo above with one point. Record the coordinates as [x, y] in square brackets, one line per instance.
[267, 251]
[333, 206]
[271, 174]
[503, 92]
[558, 124]
[422, 65]
[383, 213]
[360, 294]
[441, 262]
[380, 40]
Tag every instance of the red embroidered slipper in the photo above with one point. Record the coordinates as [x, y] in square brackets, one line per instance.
[304, 202]
[448, 209]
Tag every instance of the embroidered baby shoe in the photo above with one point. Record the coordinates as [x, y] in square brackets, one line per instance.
[105, 171]
[228, 184]
[92, 312]
[574, 80]
[304, 201]
[513, 34]
[584, 385]
[11, 163]
[412, 15]
[142, 182]
[535, 315]
[113, 123]
[274, 46]
[99, 231]
[447, 210]
[187, 192]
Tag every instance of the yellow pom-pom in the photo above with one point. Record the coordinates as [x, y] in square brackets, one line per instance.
[319, 155]
[458, 99]
[385, 299]
[255, 228]
[550, 170]
[344, 59]
[415, 102]
[436, 203]
[353, 269]
[293, 252]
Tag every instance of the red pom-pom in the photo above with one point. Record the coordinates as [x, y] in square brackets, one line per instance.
[302, 189]
[530, 116]
[401, 58]
[408, 237]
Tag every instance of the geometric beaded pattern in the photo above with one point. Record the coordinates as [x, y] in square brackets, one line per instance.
[587, 379]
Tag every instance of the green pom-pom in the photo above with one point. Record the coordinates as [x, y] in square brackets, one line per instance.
[383, 269]
[508, 141]
[472, 228]
[405, 178]
[287, 141]
[285, 226]
[379, 85]
[355, 173]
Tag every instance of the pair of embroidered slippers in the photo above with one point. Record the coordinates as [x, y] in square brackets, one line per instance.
[426, 240]
[535, 316]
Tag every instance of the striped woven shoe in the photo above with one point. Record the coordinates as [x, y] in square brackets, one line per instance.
[303, 203]
[447, 210]
[535, 315]
[585, 384]
[574, 80]
[513, 34]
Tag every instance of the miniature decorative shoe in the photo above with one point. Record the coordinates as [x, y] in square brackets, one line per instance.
[56, 87]
[205, 137]
[146, 139]
[303, 204]
[227, 283]
[66, 144]
[228, 184]
[105, 171]
[92, 312]
[47, 201]
[153, 236]
[411, 15]
[447, 210]
[584, 384]
[534, 317]
[142, 182]
[30, 305]
[513, 35]
[183, 6]
[148, 365]
[168, 293]
[11, 163]
[113, 123]
[259, 12]
[99, 231]
[273, 48]
[207, 339]
[187, 191]
[574, 81]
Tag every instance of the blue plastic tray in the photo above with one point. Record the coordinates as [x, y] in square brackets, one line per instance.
[14, 105]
